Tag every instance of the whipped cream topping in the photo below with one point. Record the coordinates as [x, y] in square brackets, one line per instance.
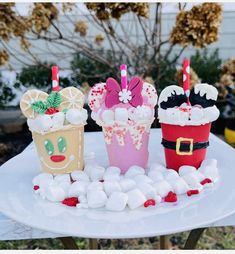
[97, 187]
[174, 110]
[46, 123]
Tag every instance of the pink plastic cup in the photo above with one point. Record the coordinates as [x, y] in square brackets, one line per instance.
[128, 155]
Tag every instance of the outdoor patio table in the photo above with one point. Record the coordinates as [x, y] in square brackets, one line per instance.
[15, 226]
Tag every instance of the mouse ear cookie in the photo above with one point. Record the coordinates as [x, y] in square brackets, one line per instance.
[71, 98]
[28, 99]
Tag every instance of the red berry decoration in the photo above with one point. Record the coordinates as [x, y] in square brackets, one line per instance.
[51, 111]
[149, 202]
[205, 181]
[36, 187]
[192, 192]
[171, 197]
[70, 201]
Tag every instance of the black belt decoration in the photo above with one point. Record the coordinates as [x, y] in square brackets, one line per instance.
[184, 146]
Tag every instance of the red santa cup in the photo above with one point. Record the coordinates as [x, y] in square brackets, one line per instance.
[185, 145]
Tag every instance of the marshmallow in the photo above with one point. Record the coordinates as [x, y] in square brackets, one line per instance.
[157, 167]
[79, 175]
[196, 114]
[94, 116]
[37, 180]
[211, 113]
[121, 114]
[43, 123]
[111, 187]
[209, 162]
[142, 179]
[210, 172]
[172, 115]
[171, 175]
[147, 190]
[62, 178]
[135, 198]
[111, 170]
[112, 174]
[133, 171]
[55, 193]
[32, 124]
[183, 170]
[162, 188]
[191, 179]
[127, 184]
[108, 116]
[142, 113]
[117, 201]
[82, 198]
[65, 186]
[82, 205]
[96, 199]
[77, 188]
[75, 116]
[111, 177]
[156, 175]
[58, 120]
[97, 173]
[95, 186]
[179, 186]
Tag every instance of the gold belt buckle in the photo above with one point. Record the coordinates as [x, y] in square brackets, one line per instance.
[178, 143]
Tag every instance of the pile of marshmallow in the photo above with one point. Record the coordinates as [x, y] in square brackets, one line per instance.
[123, 115]
[185, 115]
[44, 123]
[97, 187]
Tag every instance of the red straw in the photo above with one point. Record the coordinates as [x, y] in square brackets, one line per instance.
[186, 79]
[55, 78]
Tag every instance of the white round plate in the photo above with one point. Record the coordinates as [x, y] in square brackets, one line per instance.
[18, 201]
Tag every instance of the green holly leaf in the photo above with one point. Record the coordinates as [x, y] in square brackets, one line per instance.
[54, 100]
[39, 106]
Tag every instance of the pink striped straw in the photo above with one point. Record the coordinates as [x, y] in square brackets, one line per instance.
[186, 79]
[55, 78]
[123, 70]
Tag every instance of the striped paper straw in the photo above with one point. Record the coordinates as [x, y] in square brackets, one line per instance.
[123, 70]
[55, 78]
[186, 78]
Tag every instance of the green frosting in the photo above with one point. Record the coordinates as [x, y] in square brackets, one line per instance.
[62, 144]
[39, 106]
[49, 147]
[54, 100]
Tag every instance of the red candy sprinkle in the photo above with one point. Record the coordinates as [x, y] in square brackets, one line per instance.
[149, 202]
[36, 187]
[171, 197]
[70, 201]
[205, 181]
[192, 192]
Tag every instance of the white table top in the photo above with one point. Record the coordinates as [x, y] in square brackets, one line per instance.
[11, 230]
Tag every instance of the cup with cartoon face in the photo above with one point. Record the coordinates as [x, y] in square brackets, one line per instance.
[57, 124]
[60, 151]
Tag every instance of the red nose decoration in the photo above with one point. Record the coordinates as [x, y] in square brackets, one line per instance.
[57, 158]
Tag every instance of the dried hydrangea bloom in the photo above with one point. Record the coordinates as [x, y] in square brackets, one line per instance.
[81, 27]
[199, 26]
